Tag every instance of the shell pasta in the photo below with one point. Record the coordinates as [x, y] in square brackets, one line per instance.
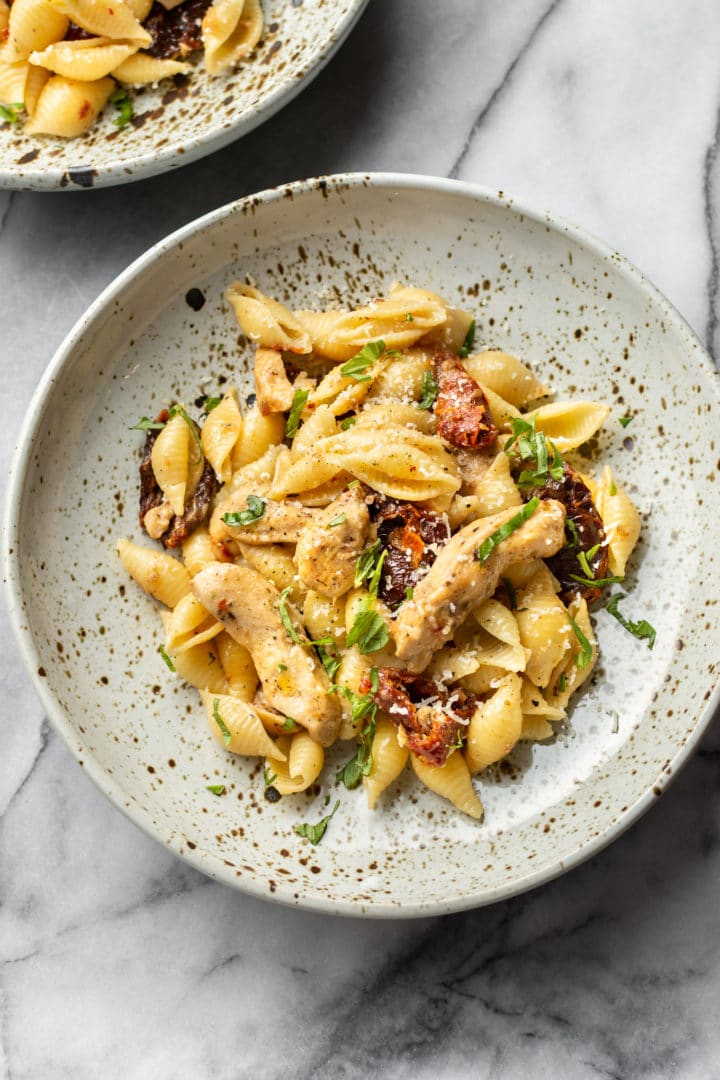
[62, 61]
[390, 559]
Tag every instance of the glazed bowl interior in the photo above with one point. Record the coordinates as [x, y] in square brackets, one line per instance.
[587, 323]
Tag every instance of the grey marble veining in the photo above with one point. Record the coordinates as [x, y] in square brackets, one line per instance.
[121, 962]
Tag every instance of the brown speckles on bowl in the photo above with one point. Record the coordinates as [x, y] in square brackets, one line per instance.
[343, 240]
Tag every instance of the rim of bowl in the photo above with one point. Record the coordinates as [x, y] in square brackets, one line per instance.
[148, 163]
[23, 634]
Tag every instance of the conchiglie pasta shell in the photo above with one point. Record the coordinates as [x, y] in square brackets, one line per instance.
[157, 573]
[574, 676]
[258, 434]
[389, 760]
[200, 666]
[497, 620]
[13, 77]
[535, 729]
[4, 15]
[569, 424]
[247, 734]
[382, 414]
[505, 375]
[401, 377]
[265, 321]
[274, 562]
[310, 471]
[34, 85]
[320, 424]
[323, 615]
[305, 759]
[86, 60]
[496, 490]
[220, 432]
[66, 108]
[114, 20]
[544, 629]
[230, 31]
[452, 781]
[238, 666]
[33, 24]
[141, 8]
[143, 69]
[189, 625]
[484, 680]
[170, 460]
[403, 464]
[495, 726]
[621, 521]
[340, 335]
[199, 551]
[535, 706]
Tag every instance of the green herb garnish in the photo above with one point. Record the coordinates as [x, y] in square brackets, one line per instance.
[255, 510]
[510, 590]
[339, 520]
[181, 411]
[368, 631]
[11, 113]
[330, 661]
[409, 317]
[348, 422]
[269, 777]
[296, 410]
[145, 424]
[358, 364]
[612, 490]
[315, 833]
[468, 343]
[216, 789]
[487, 547]
[428, 391]
[122, 102]
[211, 403]
[166, 658]
[409, 592]
[583, 658]
[285, 617]
[562, 684]
[290, 724]
[642, 629]
[625, 420]
[367, 561]
[227, 737]
[592, 582]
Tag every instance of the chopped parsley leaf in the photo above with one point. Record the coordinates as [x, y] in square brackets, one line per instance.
[642, 629]
[428, 390]
[625, 420]
[488, 545]
[226, 736]
[296, 410]
[357, 365]
[255, 510]
[469, 342]
[166, 658]
[216, 789]
[315, 833]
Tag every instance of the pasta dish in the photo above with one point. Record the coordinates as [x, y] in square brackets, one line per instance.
[389, 546]
[62, 61]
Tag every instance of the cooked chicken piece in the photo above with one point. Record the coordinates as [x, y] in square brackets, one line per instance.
[457, 581]
[331, 542]
[272, 387]
[280, 523]
[293, 680]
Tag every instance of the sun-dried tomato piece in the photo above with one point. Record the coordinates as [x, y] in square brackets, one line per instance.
[411, 536]
[430, 715]
[176, 33]
[461, 408]
[584, 530]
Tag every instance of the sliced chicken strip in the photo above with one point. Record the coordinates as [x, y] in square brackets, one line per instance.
[293, 680]
[272, 387]
[331, 542]
[457, 581]
[281, 522]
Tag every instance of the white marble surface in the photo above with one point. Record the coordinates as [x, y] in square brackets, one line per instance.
[121, 962]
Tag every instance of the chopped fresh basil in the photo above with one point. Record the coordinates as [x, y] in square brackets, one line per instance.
[642, 629]
[367, 561]
[572, 529]
[146, 424]
[269, 777]
[216, 789]
[329, 661]
[255, 510]
[374, 582]
[285, 617]
[122, 102]
[612, 490]
[428, 391]
[361, 763]
[181, 411]
[226, 736]
[339, 520]
[211, 403]
[282, 667]
[488, 545]
[584, 564]
[358, 364]
[348, 422]
[166, 658]
[315, 833]
[469, 342]
[369, 632]
[409, 317]
[290, 724]
[625, 420]
[409, 592]
[11, 113]
[562, 684]
[583, 658]
[296, 410]
[510, 590]
[600, 582]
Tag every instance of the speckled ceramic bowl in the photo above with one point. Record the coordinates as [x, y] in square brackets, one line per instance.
[587, 322]
[183, 120]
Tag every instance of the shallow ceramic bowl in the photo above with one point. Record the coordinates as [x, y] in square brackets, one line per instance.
[587, 322]
[178, 122]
